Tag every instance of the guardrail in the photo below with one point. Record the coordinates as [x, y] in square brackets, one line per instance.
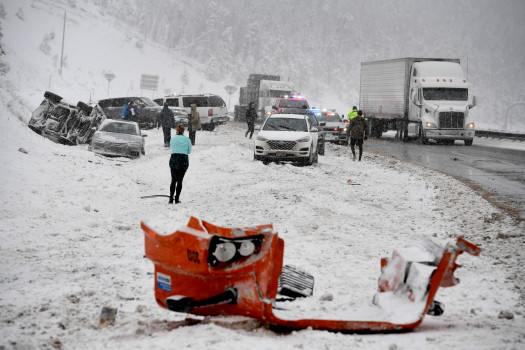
[500, 134]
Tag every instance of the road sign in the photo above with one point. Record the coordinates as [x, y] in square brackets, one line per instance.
[149, 82]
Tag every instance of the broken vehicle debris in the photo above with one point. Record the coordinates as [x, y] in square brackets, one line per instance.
[209, 270]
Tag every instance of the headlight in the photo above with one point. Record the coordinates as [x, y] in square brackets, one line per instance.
[470, 126]
[225, 250]
[431, 125]
[261, 138]
[304, 139]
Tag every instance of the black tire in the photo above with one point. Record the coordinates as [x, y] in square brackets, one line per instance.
[321, 149]
[211, 127]
[143, 151]
[422, 138]
[469, 142]
[52, 97]
[84, 107]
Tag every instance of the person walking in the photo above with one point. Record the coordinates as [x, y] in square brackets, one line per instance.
[179, 162]
[357, 131]
[251, 115]
[194, 123]
[166, 119]
[352, 114]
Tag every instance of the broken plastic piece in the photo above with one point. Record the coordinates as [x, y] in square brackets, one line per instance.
[190, 278]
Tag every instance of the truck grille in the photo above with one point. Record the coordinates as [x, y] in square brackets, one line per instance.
[281, 145]
[451, 120]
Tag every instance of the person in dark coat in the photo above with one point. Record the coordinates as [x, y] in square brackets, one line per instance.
[179, 162]
[357, 131]
[194, 123]
[166, 119]
[251, 115]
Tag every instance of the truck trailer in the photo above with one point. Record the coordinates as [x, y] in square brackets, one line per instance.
[426, 98]
[264, 90]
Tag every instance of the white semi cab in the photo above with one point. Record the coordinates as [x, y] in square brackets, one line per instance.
[426, 98]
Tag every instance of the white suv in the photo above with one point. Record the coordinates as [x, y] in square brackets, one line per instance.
[212, 108]
[287, 137]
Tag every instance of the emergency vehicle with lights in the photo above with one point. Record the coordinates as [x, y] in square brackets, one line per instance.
[288, 103]
[334, 127]
[427, 98]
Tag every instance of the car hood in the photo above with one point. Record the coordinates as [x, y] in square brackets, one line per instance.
[283, 135]
[116, 137]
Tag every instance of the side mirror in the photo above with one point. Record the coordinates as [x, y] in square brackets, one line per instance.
[474, 102]
[144, 135]
[322, 123]
[274, 107]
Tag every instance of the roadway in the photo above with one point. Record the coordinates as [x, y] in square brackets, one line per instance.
[497, 173]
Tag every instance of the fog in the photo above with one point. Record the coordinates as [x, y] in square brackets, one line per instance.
[319, 45]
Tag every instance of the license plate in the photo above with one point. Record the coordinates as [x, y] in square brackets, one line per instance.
[280, 154]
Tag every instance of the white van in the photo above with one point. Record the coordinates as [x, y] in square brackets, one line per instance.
[212, 108]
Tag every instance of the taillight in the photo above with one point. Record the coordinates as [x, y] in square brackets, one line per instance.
[336, 129]
[210, 112]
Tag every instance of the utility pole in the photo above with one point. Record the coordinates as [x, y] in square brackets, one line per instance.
[63, 39]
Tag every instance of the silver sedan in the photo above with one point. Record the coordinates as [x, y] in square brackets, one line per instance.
[118, 138]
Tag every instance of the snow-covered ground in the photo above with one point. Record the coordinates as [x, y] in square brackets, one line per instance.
[71, 242]
[70, 232]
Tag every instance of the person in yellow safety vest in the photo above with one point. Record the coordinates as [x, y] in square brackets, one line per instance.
[352, 114]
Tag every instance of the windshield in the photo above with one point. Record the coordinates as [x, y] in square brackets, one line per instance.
[285, 124]
[325, 117]
[445, 94]
[293, 104]
[120, 128]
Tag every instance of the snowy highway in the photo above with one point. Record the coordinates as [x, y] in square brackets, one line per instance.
[498, 173]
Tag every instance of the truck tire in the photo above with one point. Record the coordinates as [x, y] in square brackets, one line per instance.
[52, 96]
[422, 138]
[210, 126]
[469, 142]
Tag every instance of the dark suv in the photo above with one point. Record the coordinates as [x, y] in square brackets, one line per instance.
[148, 111]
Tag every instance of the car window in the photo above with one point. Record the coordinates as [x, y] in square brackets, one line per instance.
[313, 120]
[285, 124]
[216, 101]
[120, 128]
[159, 101]
[173, 102]
[147, 101]
[200, 101]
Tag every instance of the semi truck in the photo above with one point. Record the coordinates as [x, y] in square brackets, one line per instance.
[263, 89]
[426, 98]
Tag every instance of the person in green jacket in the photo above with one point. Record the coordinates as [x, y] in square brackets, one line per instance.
[357, 131]
[352, 114]
[179, 162]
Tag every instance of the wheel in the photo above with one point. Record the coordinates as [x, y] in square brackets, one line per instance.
[84, 107]
[52, 96]
[469, 142]
[143, 151]
[422, 137]
[321, 149]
